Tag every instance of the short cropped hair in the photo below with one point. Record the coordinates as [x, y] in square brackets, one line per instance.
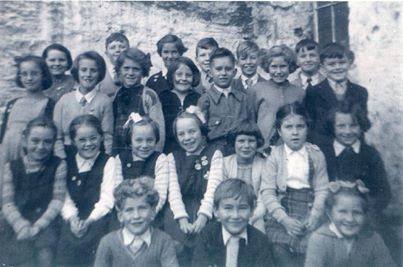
[86, 120]
[139, 187]
[235, 188]
[354, 110]
[171, 38]
[334, 50]
[245, 128]
[146, 120]
[220, 53]
[175, 66]
[40, 62]
[137, 56]
[60, 48]
[92, 55]
[206, 43]
[278, 51]
[307, 44]
[246, 47]
[116, 36]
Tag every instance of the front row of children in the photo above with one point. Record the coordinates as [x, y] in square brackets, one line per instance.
[292, 185]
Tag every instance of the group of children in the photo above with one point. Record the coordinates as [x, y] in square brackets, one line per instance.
[195, 168]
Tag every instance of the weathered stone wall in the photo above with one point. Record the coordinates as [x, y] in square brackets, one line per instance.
[376, 38]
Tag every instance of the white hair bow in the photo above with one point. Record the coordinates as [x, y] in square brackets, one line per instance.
[197, 111]
[133, 117]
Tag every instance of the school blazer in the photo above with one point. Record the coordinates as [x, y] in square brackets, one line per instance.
[273, 185]
[211, 251]
[258, 172]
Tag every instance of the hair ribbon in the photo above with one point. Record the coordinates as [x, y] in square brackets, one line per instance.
[133, 118]
[334, 187]
[196, 111]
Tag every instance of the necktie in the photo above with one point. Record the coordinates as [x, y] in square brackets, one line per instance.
[83, 101]
[232, 252]
[248, 83]
[309, 83]
[136, 245]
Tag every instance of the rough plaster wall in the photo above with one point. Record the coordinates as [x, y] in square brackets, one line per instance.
[376, 38]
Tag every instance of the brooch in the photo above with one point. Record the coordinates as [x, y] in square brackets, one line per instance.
[79, 182]
[73, 178]
[129, 165]
[198, 166]
[206, 175]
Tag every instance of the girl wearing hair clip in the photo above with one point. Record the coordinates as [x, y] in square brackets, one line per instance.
[347, 239]
[195, 171]
[131, 67]
[142, 136]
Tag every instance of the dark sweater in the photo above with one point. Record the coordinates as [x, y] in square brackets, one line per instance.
[112, 252]
[211, 251]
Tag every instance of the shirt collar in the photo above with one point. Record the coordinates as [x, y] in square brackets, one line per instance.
[338, 147]
[254, 79]
[128, 237]
[333, 228]
[164, 72]
[227, 235]
[334, 85]
[82, 161]
[216, 93]
[89, 96]
[304, 78]
[288, 151]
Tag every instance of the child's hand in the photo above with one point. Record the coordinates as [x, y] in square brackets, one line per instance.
[312, 223]
[185, 226]
[253, 219]
[199, 224]
[293, 226]
[34, 230]
[75, 226]
[25, 233]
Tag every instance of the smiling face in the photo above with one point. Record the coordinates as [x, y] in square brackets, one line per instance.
[189, 135]
[39, 143]
[57, 62]
[143, 140]
[336, 68]
[223, 71]
[293, 131]
[114, 49]
[136, 215]
[87, 141]
[346, 129]
[169, 53]
[234, 214]
[308, 60]
[279, 69]
[31, 76]
[248, 63]
[245, 147]
[130, 73]
[183, 78]
[348, 215]
[203, 58]
[88, 73]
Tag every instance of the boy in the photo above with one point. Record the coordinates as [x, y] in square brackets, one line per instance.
[308, 74]
[336, 88]
[205, 47]
[248, 59]
[232, 241]
[136, 243]
[115, 44]
[170, 48]
[223, 104]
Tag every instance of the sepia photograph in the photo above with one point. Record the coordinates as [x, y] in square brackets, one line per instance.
[201, 133]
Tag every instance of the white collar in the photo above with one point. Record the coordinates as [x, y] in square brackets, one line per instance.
[164, 72]
[137, 158]
[254, 78]
[82, 161]
[224, 91]
[338, 147]
[227, 235]
[336, 85]
[288, 151]
[333, 228]
[304, 78]
[89, 96]
[128, 237]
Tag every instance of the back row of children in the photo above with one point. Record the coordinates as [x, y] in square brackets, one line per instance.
[290, 185]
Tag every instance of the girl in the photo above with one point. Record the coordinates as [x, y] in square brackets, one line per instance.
[131, 66]
[248, 165]
[194, 173]
[143, 160]
[88, 70]
[58, 59]
[169, 48]
[32, 75]
[347, 239]
[33, 194]
[90, 184]
[183, 77]
[294, 190]
[271, 95]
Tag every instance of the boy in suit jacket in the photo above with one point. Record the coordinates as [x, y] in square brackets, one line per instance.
[231, 242]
